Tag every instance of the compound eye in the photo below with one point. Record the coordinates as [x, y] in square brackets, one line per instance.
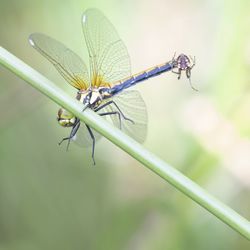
[64, 114]
[65, 118]
[59, 113]
[63, 123]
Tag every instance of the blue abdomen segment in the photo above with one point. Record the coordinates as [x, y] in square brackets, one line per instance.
[145, 75]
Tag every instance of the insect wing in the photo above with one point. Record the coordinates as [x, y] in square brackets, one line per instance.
[109, 59]
[68, 64]
[133, 107]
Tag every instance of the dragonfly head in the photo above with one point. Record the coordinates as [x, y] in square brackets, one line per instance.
[65, 118]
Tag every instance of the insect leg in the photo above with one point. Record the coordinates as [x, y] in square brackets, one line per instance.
[72, 133]
[113, 113]
[188, 74]
[173, 59]
[93, 144]
[193, 61]
[179, 74]
[176, 72]
[112, 102]
[85, 107]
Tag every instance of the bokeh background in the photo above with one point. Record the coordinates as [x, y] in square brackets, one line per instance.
[53, 199]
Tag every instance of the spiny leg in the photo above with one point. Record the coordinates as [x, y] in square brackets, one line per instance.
[188, 74]
[93, 144]
[72, 133]
[113, 113]
[112, 102]
[85, 107]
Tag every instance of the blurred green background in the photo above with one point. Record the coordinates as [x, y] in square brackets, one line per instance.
[53, 199]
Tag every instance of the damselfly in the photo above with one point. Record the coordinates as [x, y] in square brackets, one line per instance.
[104, 88]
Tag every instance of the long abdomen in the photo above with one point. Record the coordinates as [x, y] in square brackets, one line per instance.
[145, 75]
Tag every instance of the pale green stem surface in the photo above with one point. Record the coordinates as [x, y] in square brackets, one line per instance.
[148, 159]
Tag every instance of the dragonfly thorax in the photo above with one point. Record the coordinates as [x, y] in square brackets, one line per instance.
[91, 97]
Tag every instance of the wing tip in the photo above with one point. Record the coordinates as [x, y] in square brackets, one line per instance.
[32, 37]
[84, 17]
[31, 41]
[87, 12]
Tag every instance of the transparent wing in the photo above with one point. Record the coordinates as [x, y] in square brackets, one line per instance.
[68, 64]
[109, 59]
[133, 107]
[83, 138]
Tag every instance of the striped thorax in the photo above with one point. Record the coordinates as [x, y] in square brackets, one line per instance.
[91, 97]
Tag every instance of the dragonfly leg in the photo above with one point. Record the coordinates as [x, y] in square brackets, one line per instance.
[113, 113]
[72, 134]
[112, 102]
[93, 144]
[85, 107]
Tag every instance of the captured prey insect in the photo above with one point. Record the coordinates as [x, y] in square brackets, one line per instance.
[104, 88]
[184, 63]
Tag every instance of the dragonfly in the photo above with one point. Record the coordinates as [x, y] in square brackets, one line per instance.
[103, 87]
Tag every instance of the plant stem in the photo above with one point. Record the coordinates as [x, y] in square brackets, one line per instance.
[148, 159]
